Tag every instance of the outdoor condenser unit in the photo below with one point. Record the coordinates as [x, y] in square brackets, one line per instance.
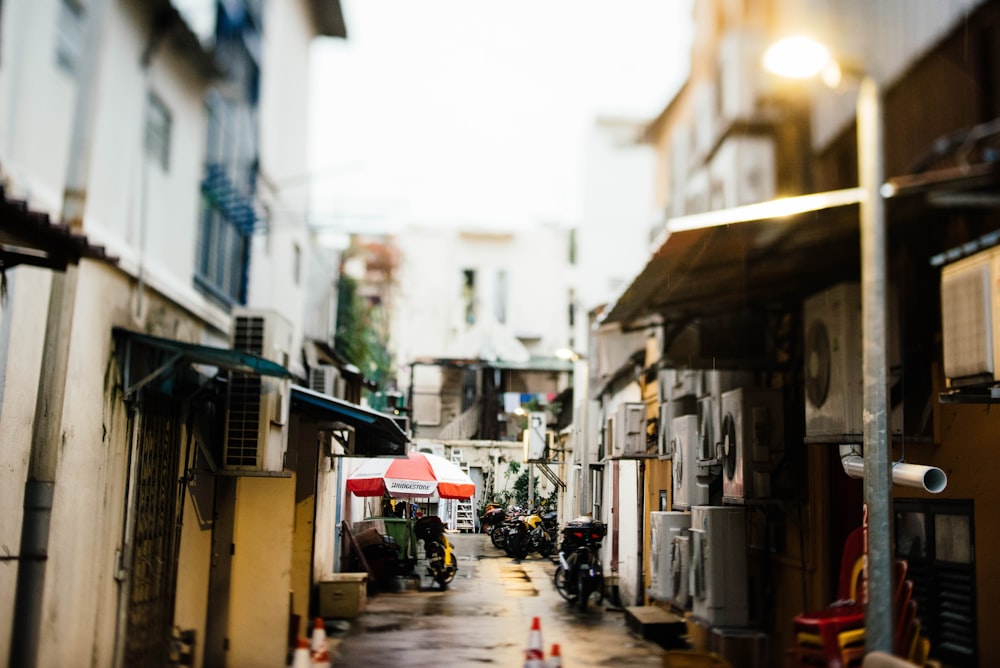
[753, 442]
[719, 565]
[687, 489]
[834, 383]
[257, 410]
[970, 305]
[663, 527]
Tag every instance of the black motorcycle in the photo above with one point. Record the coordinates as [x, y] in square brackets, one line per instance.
[580, 573]
[491, 520]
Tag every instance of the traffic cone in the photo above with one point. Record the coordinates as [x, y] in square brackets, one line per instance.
[534, 655]
[555, 658]
[319, 648]
[301, 658]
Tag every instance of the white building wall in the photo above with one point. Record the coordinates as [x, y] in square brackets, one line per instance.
[283, 253]
[39, 100]
[148, 218]
[35, 136]
[613, 235]
[428, 313]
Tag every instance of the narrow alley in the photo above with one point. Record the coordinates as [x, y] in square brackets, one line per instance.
[484, 618]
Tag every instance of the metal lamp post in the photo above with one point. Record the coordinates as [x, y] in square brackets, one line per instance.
[800, 58]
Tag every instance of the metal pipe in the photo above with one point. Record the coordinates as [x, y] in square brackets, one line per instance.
[878, 500]
[928, 478]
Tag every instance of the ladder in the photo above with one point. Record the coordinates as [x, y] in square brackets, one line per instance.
[461, 509]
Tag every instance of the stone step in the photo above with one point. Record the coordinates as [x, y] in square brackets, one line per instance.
[652, 622]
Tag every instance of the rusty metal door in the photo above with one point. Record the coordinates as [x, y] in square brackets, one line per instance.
[152, 571]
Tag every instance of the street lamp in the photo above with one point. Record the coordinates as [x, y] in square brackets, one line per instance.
[801, 57]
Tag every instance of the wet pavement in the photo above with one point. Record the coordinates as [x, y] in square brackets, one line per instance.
[484, 619]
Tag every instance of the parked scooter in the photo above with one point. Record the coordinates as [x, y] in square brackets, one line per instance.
[580, 573]
[438, 550]
[491, 520]
[527, 533]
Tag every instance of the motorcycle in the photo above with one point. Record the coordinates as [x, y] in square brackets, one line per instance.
[438, 550]
[580, 573]
[528, 533]
[492, 519]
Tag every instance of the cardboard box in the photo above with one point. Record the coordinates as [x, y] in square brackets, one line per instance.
[343, 596]
[742, 647]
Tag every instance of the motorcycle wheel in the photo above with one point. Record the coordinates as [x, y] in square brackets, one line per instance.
[518, 544]
[546, 547]
[499, 537]
[560, 582]
[584, 585]
[441, 572]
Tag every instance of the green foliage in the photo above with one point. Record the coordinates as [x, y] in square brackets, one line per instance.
[360, 340]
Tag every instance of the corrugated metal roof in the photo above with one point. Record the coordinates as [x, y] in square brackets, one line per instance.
[32, 238]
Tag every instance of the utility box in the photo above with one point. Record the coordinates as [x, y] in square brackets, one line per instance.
[343, 596]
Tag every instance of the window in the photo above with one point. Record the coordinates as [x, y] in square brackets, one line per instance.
[500, 304]
[228, 216]
[70, 34]
[158, 125]
[936, 539]
[596, 491]
[469, 295]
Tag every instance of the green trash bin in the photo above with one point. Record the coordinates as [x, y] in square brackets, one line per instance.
[401, 531]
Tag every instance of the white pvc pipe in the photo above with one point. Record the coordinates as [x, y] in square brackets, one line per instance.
[929, 478]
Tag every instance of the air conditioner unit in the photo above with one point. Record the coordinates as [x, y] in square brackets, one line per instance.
[970, 303]
[744, 168]
[629, 437]
[834, 384]
[687, 489]
[753, 442]
[661, 524]
[665, 379]
[432, 447]
[666, 417]
[675, 383]
[709, 421]
[679, 567]
[668, 410]
[257, 410]
[742, 81]
[718, 573]
[706, 118]
[324, 378]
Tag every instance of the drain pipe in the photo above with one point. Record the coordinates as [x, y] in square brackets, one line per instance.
[929, 478]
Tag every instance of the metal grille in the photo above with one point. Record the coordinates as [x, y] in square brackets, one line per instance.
[154, 565]
[944, 585]
[248, 334]
[243, 421]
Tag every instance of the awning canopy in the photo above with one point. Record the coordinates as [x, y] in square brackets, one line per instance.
[711, 263]
[722, 261]
[179, 352]
[375, 433]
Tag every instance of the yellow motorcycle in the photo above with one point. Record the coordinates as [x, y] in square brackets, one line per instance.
[438, 550]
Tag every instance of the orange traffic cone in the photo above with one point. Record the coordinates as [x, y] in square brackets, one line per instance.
[534, 655]
[319, 648]
[301, 658]
[555, 658]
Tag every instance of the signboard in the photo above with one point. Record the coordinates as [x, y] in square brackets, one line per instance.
[535, 438]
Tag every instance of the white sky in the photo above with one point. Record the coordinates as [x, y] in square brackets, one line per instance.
[474, 112]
